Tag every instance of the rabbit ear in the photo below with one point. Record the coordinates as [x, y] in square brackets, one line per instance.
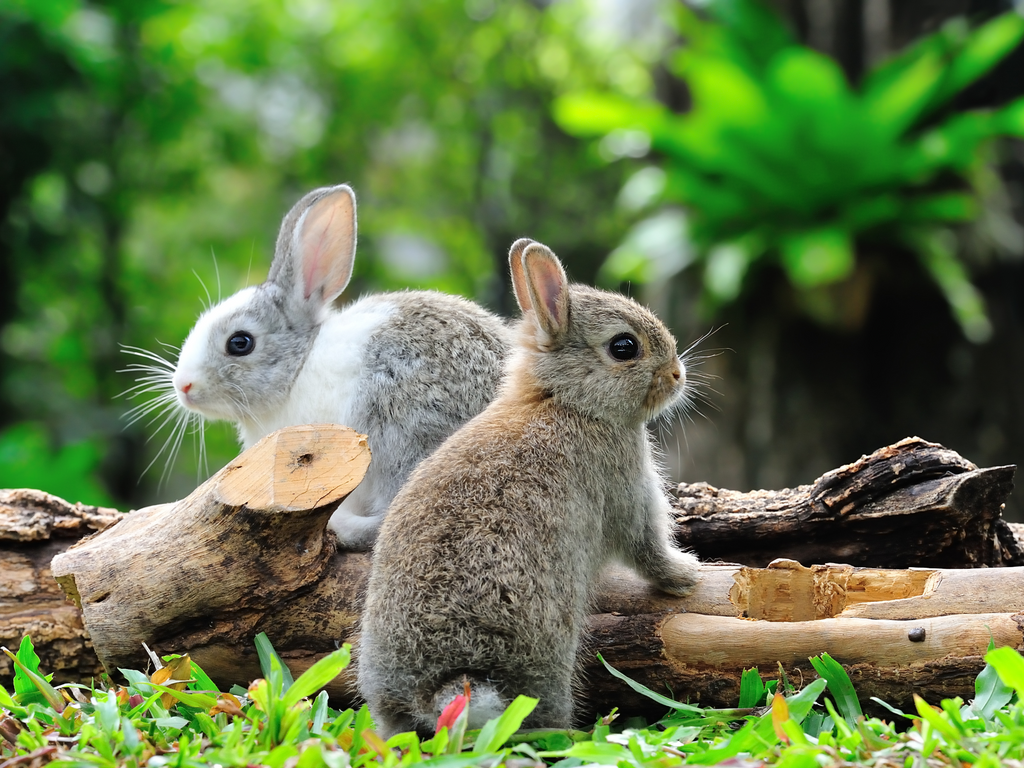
[317, 245]
[515, 266]
[548, 289]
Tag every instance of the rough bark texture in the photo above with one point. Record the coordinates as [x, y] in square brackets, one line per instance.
[248, 552]
[907, 505]
[35, 526]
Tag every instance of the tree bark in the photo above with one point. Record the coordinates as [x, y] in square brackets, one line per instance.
[35, 526]
[910, 504]
[247, 552]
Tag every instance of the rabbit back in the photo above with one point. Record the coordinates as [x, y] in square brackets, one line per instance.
[486, 559]
[433, 363]
[483, 567]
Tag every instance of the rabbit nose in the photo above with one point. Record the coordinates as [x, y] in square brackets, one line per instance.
[186, 387]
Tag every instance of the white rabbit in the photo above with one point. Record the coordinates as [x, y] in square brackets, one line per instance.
[405, 368]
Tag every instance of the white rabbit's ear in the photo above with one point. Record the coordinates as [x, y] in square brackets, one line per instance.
[515, 267]
[324, 245]
[547, 288]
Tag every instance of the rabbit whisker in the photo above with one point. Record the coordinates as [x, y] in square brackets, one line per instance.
[142, 411]
[209, 299]
[216, 270]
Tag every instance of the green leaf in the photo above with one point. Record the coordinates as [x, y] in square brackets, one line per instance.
[800, 703]
[645, 691]
[752, 689]
[938, 720]
[1010, 119]
[318, 675]
[817, 257]
[30, 660]
[49, 693]
[654, 250]
[274, 669]
[808, 78]
[839, 685]
[202, 680]
[984, 48]
[188, 698]
[1010, 666]
[895, 106]
[595, 114]
[319, 713]
[990, 693]
[497, 731]
[935, 248]
[946, 207]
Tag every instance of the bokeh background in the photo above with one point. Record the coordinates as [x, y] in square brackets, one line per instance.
[832, 186]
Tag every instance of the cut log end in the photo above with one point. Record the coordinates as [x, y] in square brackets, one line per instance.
[296, 469]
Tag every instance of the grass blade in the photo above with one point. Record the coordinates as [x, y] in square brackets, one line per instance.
[645, 691]
[839, 685]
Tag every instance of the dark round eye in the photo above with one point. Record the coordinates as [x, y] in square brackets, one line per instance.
[241, 344]
[624, 347]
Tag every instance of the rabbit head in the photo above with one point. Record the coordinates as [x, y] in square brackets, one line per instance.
[597, 352]
[242, 356]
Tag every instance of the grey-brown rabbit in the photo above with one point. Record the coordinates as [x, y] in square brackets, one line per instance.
[486, 560]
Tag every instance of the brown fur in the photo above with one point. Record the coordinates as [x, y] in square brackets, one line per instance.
[486, 558]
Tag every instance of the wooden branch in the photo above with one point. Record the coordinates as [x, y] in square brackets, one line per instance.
[910, 504]
[252, 536]
[247, 552]
[35, 526]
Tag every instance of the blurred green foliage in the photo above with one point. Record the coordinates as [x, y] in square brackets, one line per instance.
[145, 143]
[780, 158]
[148, 150]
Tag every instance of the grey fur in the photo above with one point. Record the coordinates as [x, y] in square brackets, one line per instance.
[486, 559]
[407, 368]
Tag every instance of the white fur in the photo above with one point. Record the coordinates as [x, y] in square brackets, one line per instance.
[327, 381]
[189, 367]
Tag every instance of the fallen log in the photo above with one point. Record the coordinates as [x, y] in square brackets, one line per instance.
[248, 552]
[910, 504]
[35, 526]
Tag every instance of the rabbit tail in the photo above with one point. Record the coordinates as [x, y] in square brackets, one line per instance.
[486, 701]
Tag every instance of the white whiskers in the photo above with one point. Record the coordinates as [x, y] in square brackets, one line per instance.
[160, 407]
[697, 392]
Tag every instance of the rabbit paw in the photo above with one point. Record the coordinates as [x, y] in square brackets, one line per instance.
[681, 574]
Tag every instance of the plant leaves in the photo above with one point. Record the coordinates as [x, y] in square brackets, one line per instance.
[645, 691]
[274, 669]
[817, 257]
[497, 731]
[49, 693]
[318, 675]
[752, 690]
[839, 685]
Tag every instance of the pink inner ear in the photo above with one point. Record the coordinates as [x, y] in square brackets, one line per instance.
[327, 247]
[549, 284]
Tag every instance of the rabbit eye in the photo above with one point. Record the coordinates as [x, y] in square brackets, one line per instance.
[240, 344]
[624, 347]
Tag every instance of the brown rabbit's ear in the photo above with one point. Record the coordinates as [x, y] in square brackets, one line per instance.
[548, 289]
[323, 244]
[515, 267]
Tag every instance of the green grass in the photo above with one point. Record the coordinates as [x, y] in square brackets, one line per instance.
[177, 718]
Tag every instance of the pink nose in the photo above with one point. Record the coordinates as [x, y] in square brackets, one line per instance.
[186, 387]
